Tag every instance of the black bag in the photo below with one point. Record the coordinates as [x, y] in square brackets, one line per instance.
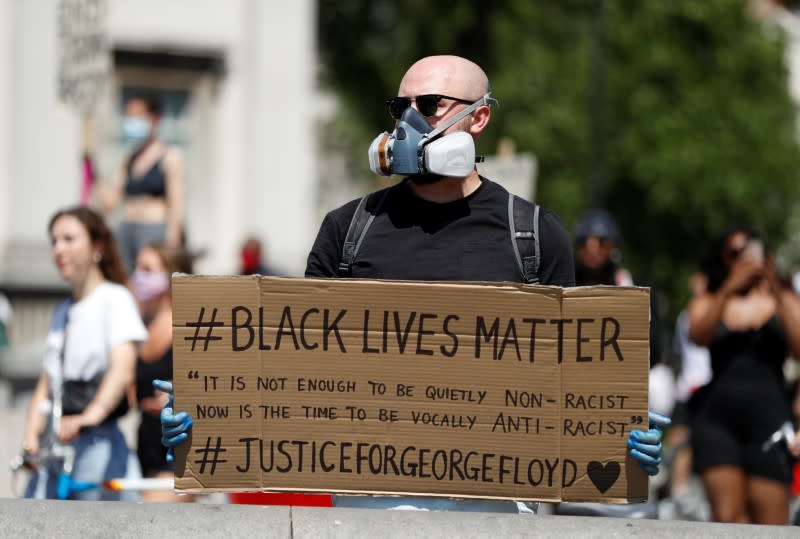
[77, 394]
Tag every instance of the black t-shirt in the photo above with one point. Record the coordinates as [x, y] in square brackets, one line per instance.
[463, 240]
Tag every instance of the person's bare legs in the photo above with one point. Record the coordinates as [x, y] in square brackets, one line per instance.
[165, 496]
[768, 501]
[725, 487]
[681, 469]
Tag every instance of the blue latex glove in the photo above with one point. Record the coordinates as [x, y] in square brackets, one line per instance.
[174, 427]
[646, 445]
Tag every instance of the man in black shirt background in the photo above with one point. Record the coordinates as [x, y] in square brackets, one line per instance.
[598, 261]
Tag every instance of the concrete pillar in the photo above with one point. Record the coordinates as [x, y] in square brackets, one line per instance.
[44, 143]
[5, 129]
[281, 144]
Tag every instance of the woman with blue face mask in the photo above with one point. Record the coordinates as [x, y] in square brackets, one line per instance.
[149, 184]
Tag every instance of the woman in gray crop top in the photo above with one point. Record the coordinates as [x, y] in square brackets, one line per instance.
[149, 184]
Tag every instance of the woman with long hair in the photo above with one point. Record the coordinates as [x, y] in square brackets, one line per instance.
[151, 287]
[89, 361]
[750, 322]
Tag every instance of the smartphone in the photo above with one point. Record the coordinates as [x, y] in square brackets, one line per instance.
[754, 250]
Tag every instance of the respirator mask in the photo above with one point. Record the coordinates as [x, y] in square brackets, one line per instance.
[415, 148]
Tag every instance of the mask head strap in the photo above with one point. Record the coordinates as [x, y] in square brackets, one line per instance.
[487, 99]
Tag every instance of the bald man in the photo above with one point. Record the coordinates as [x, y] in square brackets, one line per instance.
[438, 227]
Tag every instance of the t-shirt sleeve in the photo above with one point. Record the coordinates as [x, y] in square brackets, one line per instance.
[323, 260]
[557, 262]
[124, 322]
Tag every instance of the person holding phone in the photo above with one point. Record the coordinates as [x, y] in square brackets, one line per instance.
[750, 322]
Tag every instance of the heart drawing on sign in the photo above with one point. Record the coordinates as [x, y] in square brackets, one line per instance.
[603, 477]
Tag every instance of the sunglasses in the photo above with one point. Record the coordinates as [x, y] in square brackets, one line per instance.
[733, 253]
[427, 104]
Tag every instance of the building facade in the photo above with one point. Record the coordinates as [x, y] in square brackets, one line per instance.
[238, 81]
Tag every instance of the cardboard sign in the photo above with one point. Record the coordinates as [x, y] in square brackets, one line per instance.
[489, 390]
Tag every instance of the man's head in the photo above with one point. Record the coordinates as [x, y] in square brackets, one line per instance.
[597, 238]
[451, 76]
[250, 256]
[441, 109]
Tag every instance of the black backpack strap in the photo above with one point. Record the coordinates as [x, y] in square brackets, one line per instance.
[523, 223]
[362, 219]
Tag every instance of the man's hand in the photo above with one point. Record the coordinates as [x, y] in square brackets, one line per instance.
[174, 427]
[645, 446]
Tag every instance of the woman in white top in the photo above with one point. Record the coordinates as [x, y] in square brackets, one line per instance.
[89, 363]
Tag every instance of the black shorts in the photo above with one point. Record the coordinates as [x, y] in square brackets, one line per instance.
[680, 414]
[152, 455]
[731, 431]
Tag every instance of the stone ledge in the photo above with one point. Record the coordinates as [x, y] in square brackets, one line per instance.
[85, 520]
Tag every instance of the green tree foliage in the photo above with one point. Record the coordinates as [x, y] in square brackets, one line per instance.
[703, 131]
[699, 130]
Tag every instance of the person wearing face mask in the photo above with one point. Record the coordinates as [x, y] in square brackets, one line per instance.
[151, 286]
[89, 363]
[149, 184]
[251, 258]
[443, 221]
